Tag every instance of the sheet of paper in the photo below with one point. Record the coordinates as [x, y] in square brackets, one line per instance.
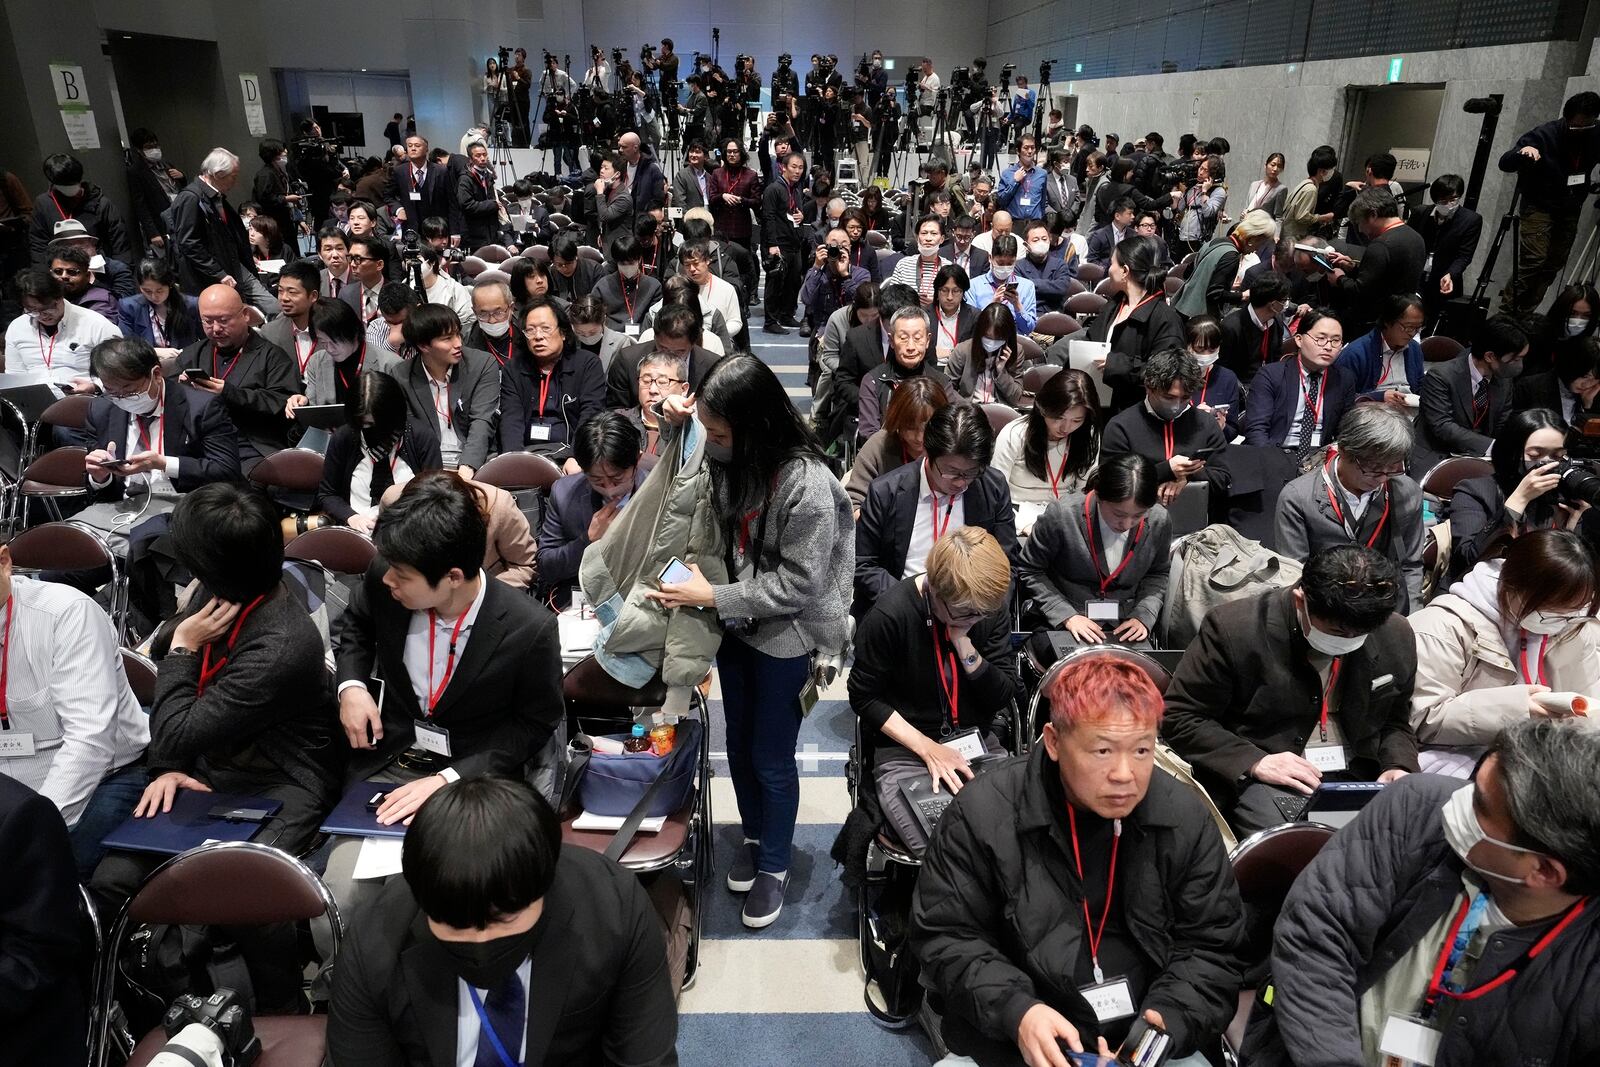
[1081, 355]
[577, 635]
[586, 821]
[81, 132]
[379, 858]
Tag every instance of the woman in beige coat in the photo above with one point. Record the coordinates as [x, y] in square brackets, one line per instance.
[1511, 629]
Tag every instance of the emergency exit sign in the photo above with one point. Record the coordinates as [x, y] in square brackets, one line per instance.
[1394, 68]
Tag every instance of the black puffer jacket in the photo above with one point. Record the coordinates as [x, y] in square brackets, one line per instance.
[997, 920]
[1365, 901]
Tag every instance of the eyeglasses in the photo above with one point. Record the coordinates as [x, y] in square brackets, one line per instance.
[540, 331]
[138, 390]
[494, 315]
[1370, 473]
[1326, 342]
[965, 474]
[657, 381]
[353, 259]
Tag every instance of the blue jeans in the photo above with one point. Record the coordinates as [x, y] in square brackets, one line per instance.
[761, 706]
[109, 806]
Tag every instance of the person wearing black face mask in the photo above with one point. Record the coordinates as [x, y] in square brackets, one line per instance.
[1184, 443]
[1553, 162]
[495, 930]
[379, 447]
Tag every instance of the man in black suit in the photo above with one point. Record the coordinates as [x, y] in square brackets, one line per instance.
[419, 189]
[471, 668]
[453, 388]
[674, 334]
[1466, 401]
[1450, 233]
[499, 936]
[907, 510]
[1105, 238]
[46, 951]
[1253, 335]
[864, 349]
[369, 259]
[1571, 390]
[1293, 687]
[781, 216]
[959, 250]
[1391, 264]
[253, 377]
[208, 235]
[152, 183]
[582, 506]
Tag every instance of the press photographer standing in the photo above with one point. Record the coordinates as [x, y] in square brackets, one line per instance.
[780, 225]
[1554, 164]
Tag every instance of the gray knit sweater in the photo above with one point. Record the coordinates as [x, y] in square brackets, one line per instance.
[800, 595]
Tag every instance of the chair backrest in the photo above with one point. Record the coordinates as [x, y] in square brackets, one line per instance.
[1104, 286]
[1085, 304]
[1031, 352]
[1055, 323]
[1034, 377]
[493, 253]
[560, 220]
[70, 412]
[141, 675]
[235, 883]
[60, 466]
[296, 470]
[472, 266]
[877, 239]
[60, 546]
[1181, 269]
[1000, 415]
[1441, 481]
[1089, 273]
[492, 275]
[588, 683]
[1172, 286]
[1075, 286]
[537, 254]
[592, 254]
[338, 548]
[519, 470]
[1265, 865]
[1038, 707]
[1439, 348]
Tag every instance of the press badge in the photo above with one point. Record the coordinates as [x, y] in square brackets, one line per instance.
[967, 744]
[1577, 179]
[810, 694]
[1104, 610]
[1025, 201]
[631, 329]
[431, 738]
[15, 745]
[1411, 1039]
[538, 431]
[416, 195]
[1326, 757]
[1111, 1000]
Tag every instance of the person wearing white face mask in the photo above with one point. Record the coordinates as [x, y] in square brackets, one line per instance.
[1293, 687]
[1220, 393]
[920, 270]
[1449, 924]
[1045, 267]
[987, 367]
[152, 183]
[443, 289]
[594, 334]
[1450, 233]
[1003, 285]
[1512, 629]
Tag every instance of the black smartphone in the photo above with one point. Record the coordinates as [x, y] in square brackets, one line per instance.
[198, 374]
[375, 801]
[116, 466]
[1207, 453]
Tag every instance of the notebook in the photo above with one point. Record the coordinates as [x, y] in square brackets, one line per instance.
[189, 824]
[352, 817]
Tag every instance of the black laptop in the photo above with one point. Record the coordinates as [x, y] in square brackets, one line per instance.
[1333, 804]
[929, 806]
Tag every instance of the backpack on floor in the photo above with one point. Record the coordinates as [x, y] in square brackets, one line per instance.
[1214, 566]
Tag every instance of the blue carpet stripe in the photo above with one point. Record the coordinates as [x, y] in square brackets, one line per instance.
[838, 1040]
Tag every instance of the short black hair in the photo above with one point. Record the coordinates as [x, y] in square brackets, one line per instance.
[1323, 157]
[1395, 306]
[434, 527]
[1004, 244]
[1584, 103]
[62, 169]
[1123, 203]
[429, 322]
[269, 150]
[480, 849]
[1268, 287]
[396, 297]
[588, 309]
[433, 226]
[1172, 365]
[1351, 586]
[332, 232]
[336, 321]
[377, 247]
[1382, 165]
[304, 272]
[609, 436]
[678, 321]
[125, 358]
[229, 536]
[564, 247]
[960, 429]
[1501, 335]
[40, 284]
[625, 249]
[1446, 187]
[1126, 476]
[78, 257]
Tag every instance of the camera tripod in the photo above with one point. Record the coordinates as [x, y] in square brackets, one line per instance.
[1510, 223]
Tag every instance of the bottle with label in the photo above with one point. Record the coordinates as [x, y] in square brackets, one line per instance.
[662, 737]
[637, 742]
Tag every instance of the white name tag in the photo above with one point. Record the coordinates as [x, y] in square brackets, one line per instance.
[631, 329]
[1326, 757]
[967, 744]
[15, 745]
[538, 432]
[1025, 201]
[431, 738]
[1577, 179]
[1111, 1000]
[1411, 1039]
[416, 194]
[1427, 264]
[675, 213]
[1104, 610]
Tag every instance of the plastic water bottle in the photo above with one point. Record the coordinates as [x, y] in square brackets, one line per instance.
[637, 742]
[662, 736]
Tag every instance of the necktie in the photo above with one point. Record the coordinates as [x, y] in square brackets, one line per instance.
[1480, 402]
[1308, 418]
[147, 443]
[505, 1009]
[222, 209]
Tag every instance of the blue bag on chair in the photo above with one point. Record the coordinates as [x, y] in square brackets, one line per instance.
[615, 784]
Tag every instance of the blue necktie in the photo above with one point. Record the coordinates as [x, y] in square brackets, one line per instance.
[507, 1012]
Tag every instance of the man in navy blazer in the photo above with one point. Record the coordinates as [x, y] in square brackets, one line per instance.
[607, 447]
[1275, 395]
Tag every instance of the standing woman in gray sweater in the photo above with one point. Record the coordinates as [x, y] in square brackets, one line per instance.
[791, 545]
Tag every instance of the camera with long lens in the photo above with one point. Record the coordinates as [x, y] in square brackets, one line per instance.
[825, 64]
[410, 247]
[1180, 172]
[210, 1030]
[1579, 483]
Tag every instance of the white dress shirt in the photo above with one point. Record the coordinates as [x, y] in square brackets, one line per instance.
[1114, 545]
[28, 348]
[1292, 439]
[922, 524]
[1394, 370]
[449, 443]
[361, 482]
[65, 686]
[718, 295]
[453, 295]
[468, 1026]
[1355, 504]
[415, 653]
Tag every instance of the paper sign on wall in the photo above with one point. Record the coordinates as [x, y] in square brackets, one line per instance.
[1411, 164]
[72, 97]
[255, 118]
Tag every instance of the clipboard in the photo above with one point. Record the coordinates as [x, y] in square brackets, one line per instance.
[1081, 355]
[189, 824]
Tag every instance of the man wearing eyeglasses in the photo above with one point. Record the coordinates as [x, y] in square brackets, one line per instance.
[1291, 688]
[1296, 402]
[1360, 495]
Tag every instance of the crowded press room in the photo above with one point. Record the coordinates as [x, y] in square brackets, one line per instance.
[572, 534]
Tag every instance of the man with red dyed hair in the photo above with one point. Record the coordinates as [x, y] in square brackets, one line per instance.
[1066, 895]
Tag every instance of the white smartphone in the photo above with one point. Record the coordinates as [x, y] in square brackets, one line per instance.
[674, 572]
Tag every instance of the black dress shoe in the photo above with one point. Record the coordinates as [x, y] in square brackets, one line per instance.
[773, 326]
[805, 329]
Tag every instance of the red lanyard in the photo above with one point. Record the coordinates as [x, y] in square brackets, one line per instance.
[622, 283]
[143, 428]
[1094, 553]
[744, 530]
[1205, 383]
[1131, 312]
[65, 214]
[47, 354]
[435, 386]
[952, 684]
[939, 531]
[544, 393]
[1338, 512]
[207, 671]
[1057, 475]
[1327, 694]
[1095, 935]
[304, 363]
[361, 359]
[5, 667]
[449, 660]
[949, 333]
[1522, 658]
[498, 358]
[1322, 385]
[1436, 986]
[1388, 365]
[1169, 438]
[215, 352]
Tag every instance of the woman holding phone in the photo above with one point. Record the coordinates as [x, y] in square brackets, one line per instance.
[791, 551]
